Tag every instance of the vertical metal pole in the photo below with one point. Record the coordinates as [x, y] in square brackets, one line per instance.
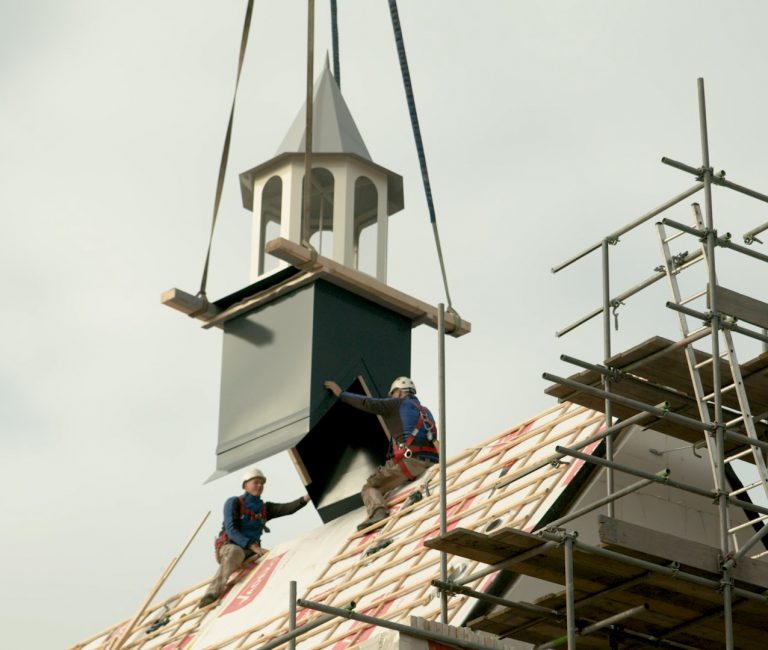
[309, 115]
[570, 607]
[441, 438]
[292, 612]
[722, 498]
[765, 343]
[606, 379]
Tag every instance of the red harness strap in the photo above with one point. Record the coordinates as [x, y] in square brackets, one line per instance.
[400, 452]
[223, 538]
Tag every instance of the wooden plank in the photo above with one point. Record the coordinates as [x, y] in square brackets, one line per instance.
[188, 304]
[670, 370]
[474, 546]
[364, 285]
[740, 306]
[695, 557]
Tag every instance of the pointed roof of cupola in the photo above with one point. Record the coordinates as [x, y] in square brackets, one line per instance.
[333, 129]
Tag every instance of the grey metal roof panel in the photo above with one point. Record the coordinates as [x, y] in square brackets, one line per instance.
[333, 128]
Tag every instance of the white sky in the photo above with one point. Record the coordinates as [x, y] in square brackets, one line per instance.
[543, 124]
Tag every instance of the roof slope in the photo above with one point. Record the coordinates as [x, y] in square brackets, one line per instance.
[387, 573]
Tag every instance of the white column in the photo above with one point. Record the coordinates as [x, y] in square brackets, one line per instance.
[290, 224]
[343, 213]
[257, 245]
[382, 222]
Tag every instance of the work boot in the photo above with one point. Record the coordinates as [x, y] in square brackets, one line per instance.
[207, 600]
[380, 514]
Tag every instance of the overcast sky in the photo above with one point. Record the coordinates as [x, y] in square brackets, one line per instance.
[543, 123]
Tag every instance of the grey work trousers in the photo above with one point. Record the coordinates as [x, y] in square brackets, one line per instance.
[388, 477]
[231, 558]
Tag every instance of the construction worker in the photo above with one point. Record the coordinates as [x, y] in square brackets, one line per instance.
[245, 520]
[413, 441]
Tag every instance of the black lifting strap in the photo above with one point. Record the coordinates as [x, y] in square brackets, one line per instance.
[224, 158]
[400, 45]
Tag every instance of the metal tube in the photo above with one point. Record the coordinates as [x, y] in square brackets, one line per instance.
[657, 478]
[737, 437]
[652, 279]
[741, 249]
[628, 378]
[601, 502]
[570, 609]
[408, 630]
[721, 241]
[292, 613]
[520, 557]
[670, 571]
[742, 189]
[744, 331]
[750, 236]
[737, 557]
[706, 317]
[681, 226]
[687, 422]
[616, 618]
[307, 627]
[606, 378]
[698, 172]
[596, 627]
[630, 226]
[581, 602]
[442, 455]
[452, 587]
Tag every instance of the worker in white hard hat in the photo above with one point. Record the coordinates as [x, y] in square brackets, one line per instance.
[413, 447]
[245, 518]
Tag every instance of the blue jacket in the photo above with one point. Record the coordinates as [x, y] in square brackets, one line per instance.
[246, 529]
[400, 414]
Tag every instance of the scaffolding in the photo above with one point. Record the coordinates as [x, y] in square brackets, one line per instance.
[727, 591]
[725, 420]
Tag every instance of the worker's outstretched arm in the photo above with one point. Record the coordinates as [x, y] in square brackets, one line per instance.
[379, 406]
[282, 509]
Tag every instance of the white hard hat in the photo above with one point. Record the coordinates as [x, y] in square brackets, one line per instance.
[403, 383]
[254, 472]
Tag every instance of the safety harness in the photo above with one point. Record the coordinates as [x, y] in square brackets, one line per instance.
[401, 451]
[244, 512]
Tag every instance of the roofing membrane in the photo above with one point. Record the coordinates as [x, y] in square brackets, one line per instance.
[387, 573]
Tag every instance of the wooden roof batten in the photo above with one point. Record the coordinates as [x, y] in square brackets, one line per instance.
[379, 568]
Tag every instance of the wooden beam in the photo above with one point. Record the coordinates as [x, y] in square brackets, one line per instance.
[188, 304]
[364, 285]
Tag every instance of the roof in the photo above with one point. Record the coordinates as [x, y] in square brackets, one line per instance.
[333, 128]
[388, 572]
